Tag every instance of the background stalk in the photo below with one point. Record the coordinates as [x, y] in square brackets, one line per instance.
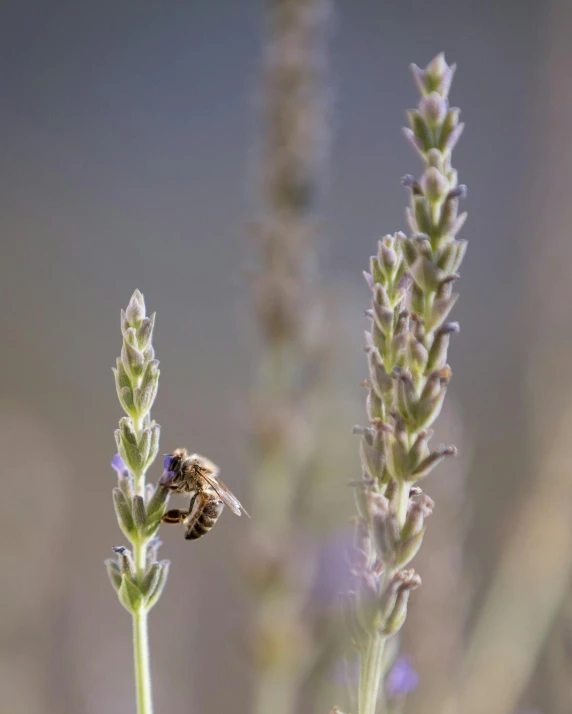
[291, 350]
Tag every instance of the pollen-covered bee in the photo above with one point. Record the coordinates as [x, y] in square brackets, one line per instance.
[198, 476]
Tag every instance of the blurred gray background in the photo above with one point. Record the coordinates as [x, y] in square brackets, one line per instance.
[130, 136]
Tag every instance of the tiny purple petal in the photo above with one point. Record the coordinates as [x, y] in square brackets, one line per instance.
[167, 461]
[167, 476]
[118, 464]
[402, 678]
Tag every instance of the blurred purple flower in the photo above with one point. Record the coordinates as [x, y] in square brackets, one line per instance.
[402, 678]
[333, 575]
[118, 464]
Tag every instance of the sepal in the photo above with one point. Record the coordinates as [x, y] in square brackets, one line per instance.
[114, 573]
[160, 586]
[123, 513]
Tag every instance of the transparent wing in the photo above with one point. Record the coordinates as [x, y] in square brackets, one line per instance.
[226, 496]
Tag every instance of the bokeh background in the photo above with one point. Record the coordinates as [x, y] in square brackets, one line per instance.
[130, 135]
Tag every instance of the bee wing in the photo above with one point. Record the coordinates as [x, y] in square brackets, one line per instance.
[228, 498]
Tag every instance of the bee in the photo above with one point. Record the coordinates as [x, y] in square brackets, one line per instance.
[198, 476]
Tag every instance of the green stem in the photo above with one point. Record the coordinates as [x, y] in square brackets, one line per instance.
[141, 654]
[140, 629]
[371, 670]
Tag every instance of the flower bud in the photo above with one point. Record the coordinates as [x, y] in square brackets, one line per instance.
[449, 223]
[380, 380]
[130, 595]
[433, 109]
[154, 445]
[447, 257]
[374, 406]
[139, 512]
[150, 579]
[426, 275]
[409, 581]
[438, 352]
[439, 312]
[133, 360]
[385, 527]
[435, 159]
[148, 390]
[421, 508]
[125, 561]
[145, 331]
[153, 548]
[375, 269]
[154, 596]
[422, 215]
[371, 459]
[434, 185]
[407, 549]
[135, 312]
[429, 404]
[419, 450]
[114, 573]
[383, 317]
[123, 513]
[388, 597]
[156, 504]
[420, 129]
[434, 458]
[439, 75]
[417, 354]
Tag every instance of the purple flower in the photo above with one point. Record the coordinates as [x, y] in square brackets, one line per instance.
[167, 473]
[402, 678]
[118, 464]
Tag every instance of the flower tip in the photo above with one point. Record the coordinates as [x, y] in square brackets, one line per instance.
[138, 297]
[167, 461]
[438, 65]
[135, 312]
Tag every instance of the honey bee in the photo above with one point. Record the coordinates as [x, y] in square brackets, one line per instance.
[198, 476]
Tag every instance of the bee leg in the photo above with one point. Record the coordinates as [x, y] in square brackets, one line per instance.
[175, 515]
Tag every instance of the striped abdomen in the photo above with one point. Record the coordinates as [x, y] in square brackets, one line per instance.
[204, 514]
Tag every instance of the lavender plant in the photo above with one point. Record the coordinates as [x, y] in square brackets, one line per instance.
[137, 575]
[411, 282]
[290, 365]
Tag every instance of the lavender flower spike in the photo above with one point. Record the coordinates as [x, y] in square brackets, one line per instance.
[411, 283]
[137, 576]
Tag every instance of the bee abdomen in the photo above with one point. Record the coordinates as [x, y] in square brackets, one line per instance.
[204, 520]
